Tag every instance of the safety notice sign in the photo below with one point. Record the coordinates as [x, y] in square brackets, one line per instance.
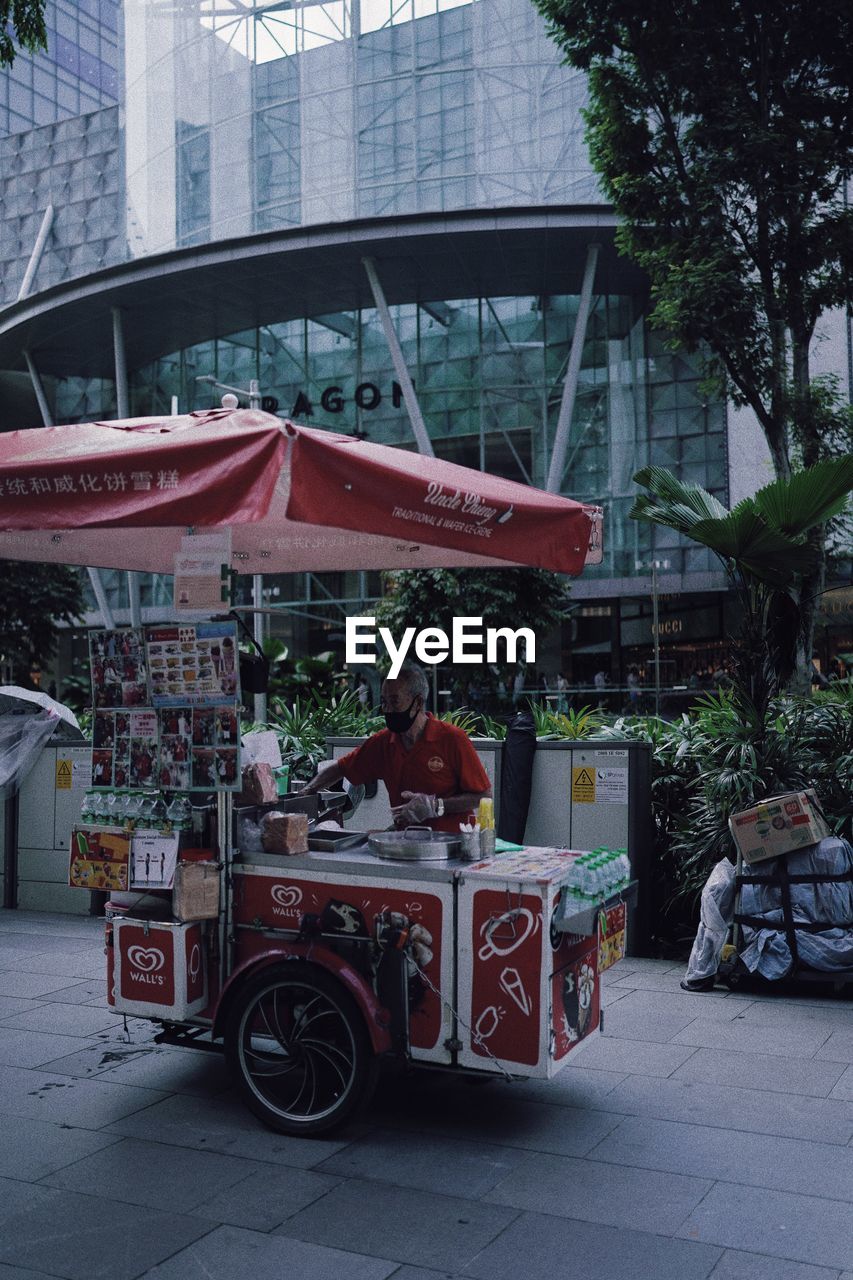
[64, 775]
[583, 784]
[611, 786]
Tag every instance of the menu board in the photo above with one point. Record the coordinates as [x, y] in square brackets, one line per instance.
[166, 703]
[118, 668]
[193, 664]
[124, 748]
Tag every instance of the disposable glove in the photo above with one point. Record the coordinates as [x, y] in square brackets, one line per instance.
[418, 807]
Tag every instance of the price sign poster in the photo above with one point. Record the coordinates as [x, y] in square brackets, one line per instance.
[124, 749]
[119, 674]
[194, 664]
[99, 860]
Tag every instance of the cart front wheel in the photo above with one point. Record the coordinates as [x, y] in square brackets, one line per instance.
[298, 1046]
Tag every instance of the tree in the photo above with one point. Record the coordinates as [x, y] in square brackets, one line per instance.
[764, 548]
[723, 135]
[35, 599]
[513, 598]
[26, 18]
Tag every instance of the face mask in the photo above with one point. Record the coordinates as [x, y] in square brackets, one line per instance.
[402, 721]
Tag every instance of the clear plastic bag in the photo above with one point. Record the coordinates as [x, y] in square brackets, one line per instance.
[22, 738]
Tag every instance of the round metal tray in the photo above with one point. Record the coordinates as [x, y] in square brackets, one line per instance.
[415, 844]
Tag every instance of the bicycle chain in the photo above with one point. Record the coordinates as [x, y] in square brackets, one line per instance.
[475, 1036]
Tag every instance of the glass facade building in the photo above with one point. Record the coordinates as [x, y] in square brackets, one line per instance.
[202, 128]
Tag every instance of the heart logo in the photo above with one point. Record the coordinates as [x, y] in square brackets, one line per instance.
[286, 895]
[195, 962]
[148, 959]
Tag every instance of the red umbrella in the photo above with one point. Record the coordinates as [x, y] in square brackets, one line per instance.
[122, 495]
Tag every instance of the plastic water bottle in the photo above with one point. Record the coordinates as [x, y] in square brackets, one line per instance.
[97, 807]
[112, 802]
[158, 812]
[86, 807]
[133, 808]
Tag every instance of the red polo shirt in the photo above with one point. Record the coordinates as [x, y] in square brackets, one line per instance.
[441, 763]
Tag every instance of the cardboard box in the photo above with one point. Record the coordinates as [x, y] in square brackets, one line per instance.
[778, 825]
[159, 968]
[195, 895]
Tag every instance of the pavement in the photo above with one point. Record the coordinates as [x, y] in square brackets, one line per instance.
[703, 1136]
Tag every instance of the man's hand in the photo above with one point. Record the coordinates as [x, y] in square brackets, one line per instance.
[418, 807]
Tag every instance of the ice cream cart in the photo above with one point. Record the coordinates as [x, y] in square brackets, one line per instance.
[321, 964]
[310, 969]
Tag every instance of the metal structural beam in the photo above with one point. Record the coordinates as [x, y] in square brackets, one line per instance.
[36, 255]
[101, 596]
[570, 385]
[407, 386]
[38, 389]
[122, 398]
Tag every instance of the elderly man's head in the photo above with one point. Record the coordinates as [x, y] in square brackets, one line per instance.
[404, 698]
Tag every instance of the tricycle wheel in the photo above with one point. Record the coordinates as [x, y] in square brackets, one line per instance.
[299, 1048]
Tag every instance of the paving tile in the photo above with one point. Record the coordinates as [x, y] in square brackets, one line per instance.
[152, 1066]
[760, 1160]
[591, 1191]
[736, 1265]
[838, 1047]
[537, 1245]
[223, 1125]
[11, 1006]
[62, 1020]
[151, 1174]
[732, 1107]
[774, 1074]
[578, 1087]
[69, 964]
[703, 1005]
[264, 1199]
[802, 1228]
[86, 1104]
[473, 1115]
[844, 1088]
[29, 985]
[230, 1251]
[80, 992]
[636, 1057]
[609, 995]
[443, 1165]
[781, 1012]
[798, 1041]
[19, 1273]
[411, 1226]
[657, 980]
[641, 1024]
[32, 1048]
[421, 1273]
[67, 1236]
[32, 1149]
[22, 1197]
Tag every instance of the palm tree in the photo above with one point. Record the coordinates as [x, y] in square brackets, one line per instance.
[762, 543]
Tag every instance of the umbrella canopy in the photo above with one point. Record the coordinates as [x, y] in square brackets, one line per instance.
[122, 495]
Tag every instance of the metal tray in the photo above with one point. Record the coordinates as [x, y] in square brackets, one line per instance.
[415, 844]
[330, 841]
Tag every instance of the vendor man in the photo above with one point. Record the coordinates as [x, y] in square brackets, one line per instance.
[433, 774]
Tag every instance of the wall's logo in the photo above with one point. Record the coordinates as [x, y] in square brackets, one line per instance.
[194, 965]
[147, 959]
[287, 898]
[435, 764]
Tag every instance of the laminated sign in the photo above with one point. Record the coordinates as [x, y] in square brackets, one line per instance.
[583, 784]
[99, 860]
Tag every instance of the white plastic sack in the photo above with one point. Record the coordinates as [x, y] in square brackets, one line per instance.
[716, 910]
[22, 738]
